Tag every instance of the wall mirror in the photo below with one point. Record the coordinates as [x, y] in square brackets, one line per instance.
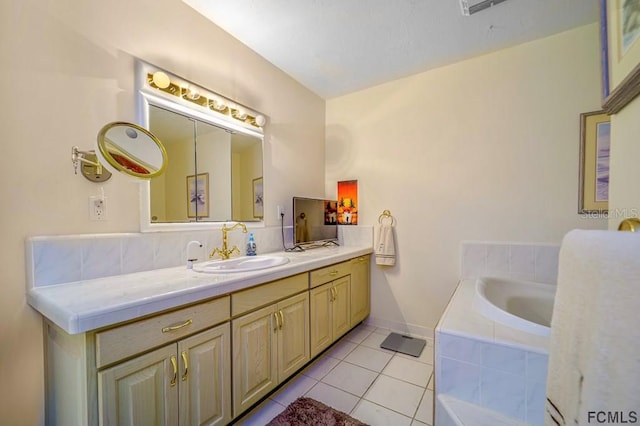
[214, 172]
[130, 149]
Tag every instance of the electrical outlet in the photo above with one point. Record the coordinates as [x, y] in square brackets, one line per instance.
[280, 212]
[97, 208]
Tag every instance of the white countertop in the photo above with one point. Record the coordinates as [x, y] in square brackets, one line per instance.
[82, 306]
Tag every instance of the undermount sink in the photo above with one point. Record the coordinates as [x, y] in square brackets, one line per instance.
[240, 264]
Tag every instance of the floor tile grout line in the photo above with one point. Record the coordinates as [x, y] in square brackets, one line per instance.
[388, 408]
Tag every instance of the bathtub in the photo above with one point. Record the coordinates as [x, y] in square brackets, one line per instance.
[523, 305]
[491, 352]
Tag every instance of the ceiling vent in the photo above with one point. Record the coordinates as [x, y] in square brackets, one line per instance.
[469, 7]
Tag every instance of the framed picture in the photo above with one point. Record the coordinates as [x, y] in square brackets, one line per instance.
[595, 139]
[620, 47]
[348, 202]
[198, 195]
[258, 198]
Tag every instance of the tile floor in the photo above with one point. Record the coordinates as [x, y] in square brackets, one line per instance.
[356, 376]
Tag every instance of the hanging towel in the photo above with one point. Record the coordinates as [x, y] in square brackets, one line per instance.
[385, 246]
[594, 355]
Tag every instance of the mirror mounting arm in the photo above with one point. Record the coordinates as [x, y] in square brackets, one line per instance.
[92, 169]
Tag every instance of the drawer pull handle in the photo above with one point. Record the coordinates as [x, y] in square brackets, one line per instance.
[281, 320]
[174, 363]
[186, 365]
[277, 324]
[333, 273]
[177, 327]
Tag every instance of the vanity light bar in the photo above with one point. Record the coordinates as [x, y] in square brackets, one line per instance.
[190, 92]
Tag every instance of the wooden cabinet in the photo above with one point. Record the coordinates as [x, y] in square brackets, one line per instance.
[330, 308]
[254, 357]
[175, 367]
[269, 345]
[142, 391]
[360, 290]
[205, 381]
[185, 383]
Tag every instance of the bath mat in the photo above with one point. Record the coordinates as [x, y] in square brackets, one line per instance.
[307, 411]
[404, 344]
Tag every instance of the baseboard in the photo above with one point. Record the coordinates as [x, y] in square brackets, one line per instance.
[400, 327]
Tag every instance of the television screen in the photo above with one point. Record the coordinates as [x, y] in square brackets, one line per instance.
[315, 221]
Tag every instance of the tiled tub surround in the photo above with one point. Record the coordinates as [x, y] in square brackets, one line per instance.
[487, 370]
[529, 262]
[84, 282]
[487, 363]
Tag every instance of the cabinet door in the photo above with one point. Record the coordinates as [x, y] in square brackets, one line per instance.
[205, 377]
[320, 312]
[142, 391]
[360, 290]
[293, 334]
[340, 307]
[255, 369]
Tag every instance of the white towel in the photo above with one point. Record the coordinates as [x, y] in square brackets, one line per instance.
[385, 246]
[594, 356]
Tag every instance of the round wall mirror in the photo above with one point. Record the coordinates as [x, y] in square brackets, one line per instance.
[132, 150]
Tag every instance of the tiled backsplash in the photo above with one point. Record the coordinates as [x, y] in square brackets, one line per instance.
[67, 258]
[531, 262]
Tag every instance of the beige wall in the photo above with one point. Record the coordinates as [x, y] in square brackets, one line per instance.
[485, 149]
[624, 188]
[67, 69]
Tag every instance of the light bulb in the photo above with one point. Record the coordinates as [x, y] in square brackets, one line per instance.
[240, 114]
[218, 105]
[192, 93]
[161, 79]
[260, 120]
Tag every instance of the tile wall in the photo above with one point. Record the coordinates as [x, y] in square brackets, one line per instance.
[60, 259]
[530, 262]
[507, 379]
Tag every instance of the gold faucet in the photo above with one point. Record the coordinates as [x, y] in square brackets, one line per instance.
[224, 252]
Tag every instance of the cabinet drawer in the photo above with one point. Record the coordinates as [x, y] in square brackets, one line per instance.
[252, 298]
[121, 342]
[329, 273]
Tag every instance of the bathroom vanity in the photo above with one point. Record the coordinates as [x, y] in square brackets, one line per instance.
[137, 349]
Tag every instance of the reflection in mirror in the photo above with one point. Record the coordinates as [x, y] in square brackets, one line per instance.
[132, 150]
[209, 178]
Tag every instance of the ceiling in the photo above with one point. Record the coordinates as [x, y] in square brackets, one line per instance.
[334, 47]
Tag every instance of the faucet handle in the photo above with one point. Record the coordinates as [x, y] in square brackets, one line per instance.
[214, 252]
[234, 249]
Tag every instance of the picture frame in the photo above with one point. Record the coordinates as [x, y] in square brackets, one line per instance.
[348, 202]
[258, 198]
[198, 195]
[620, 52]
[595, 139]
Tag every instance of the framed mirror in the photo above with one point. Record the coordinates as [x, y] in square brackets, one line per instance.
[214, 159]
[132, 150]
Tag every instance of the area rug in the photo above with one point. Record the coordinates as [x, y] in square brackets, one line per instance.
[307, 411]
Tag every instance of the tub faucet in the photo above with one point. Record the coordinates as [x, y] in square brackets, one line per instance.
[224, 252]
